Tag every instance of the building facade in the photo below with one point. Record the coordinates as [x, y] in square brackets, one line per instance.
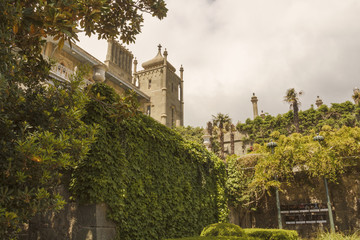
[165, 88]
[158, 88]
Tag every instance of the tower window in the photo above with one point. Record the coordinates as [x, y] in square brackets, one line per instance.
[149, 84]
[172, 117]
[148, 110]
[179, 92]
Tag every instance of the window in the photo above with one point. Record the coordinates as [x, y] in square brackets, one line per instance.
[179, 92]
[172, 117]
[149, 84]
[148, 110]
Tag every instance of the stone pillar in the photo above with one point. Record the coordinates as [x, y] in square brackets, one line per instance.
[182, 95]
[99, 73]
[135, 65]
[164, 90]
[207, 142]
[254, 101]
[109, 51]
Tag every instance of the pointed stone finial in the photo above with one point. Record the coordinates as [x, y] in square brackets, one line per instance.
[159, 47]
[262, 114]
[165, 53]
[181, 68]
[135, 65]
[318, 102]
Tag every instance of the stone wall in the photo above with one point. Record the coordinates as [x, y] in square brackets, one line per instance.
[74, 222]
[303, 202]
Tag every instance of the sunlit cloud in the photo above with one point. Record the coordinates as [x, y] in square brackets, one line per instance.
[230, 49]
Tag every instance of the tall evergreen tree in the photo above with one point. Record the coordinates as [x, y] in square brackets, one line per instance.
[292, 97]
[223, 124]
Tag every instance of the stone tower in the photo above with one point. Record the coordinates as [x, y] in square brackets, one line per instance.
[254, 101]
[119, 60]
[165, 88]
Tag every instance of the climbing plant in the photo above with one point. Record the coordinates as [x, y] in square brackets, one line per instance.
[191, 133]
[294, 153]
[156, 184]
[336, 116]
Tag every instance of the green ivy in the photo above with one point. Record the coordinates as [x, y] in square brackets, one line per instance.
[156, 184]
[336, 116]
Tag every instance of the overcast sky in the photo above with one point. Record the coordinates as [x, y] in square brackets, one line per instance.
[232, 48]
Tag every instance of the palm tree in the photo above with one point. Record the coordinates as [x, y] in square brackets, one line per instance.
[292, 97]
[222, 123]
[356, 96]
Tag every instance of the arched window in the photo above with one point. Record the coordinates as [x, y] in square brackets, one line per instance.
[179, 92]
[149, 84]
[137, 82]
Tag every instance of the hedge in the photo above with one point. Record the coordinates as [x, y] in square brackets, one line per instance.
[217, 238]
[272, 234]
[222, 229]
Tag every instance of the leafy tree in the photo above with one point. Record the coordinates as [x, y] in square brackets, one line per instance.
[191, 133]
[292, 97]
[42, 137]
[107, 19]
[295, 152]
[356, 96]
[41, 132]
[223, 124]
[242, 194]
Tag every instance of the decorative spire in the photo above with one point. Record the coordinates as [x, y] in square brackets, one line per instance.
[159, 47]
[135, 64]
[318, 102]
[262, 114]
[182, 73]
[165, 57]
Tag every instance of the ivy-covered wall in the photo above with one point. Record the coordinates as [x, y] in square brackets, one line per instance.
[336, 116]
[156, 184]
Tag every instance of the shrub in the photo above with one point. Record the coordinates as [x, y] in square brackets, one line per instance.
[222, 229]
[338, 236]
[272, 234]
[217, 238]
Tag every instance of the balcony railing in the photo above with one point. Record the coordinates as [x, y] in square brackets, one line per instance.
[61, 71]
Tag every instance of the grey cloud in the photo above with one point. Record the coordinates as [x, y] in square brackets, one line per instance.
[230, 49]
